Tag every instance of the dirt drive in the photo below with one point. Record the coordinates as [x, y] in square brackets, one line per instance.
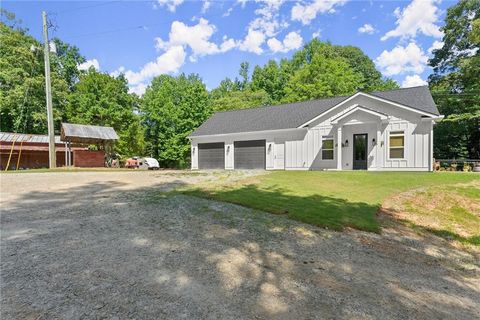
[112, 245]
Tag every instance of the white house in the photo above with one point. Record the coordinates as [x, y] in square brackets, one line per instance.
[387, 130]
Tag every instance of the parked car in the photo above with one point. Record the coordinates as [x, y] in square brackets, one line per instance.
[152, 163]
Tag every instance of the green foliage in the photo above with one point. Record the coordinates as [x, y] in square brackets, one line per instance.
[323, 77]
[456, 83]
[234, 100]
[456, 39]
[100, 99]
[66, 60]
[243, 72]
[353, 56]
[22, 82]
[318, 70]
[272, 79]
[172, 108]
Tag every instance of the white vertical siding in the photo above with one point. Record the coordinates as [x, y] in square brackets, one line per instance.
[302, 149]
[270, 154]
[194, 155]
[229, 154]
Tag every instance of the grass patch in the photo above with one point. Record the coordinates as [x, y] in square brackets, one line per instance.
[328, 199]
[448, 211]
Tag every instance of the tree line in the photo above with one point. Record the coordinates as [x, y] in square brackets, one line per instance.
[159, 122]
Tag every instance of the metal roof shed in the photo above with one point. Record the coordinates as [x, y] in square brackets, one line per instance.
[86, 134]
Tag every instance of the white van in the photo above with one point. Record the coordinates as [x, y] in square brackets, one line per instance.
[152, 163]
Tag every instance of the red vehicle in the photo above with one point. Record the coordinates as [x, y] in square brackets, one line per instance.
[134, 163]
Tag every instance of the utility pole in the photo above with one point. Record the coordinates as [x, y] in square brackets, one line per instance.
[52, 159]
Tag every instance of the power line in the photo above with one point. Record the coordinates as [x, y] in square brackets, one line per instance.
[144, 27]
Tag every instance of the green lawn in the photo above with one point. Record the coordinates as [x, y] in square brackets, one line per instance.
[328, 199]
[449, 211]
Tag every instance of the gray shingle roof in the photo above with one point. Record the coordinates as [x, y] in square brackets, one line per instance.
[30, 138]
[418, 98]
[292, 115]
[80, 132]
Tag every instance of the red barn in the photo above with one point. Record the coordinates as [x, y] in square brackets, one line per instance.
[28, 151]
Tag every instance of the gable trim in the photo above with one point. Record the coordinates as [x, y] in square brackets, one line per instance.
[369, 96]
[382, 116]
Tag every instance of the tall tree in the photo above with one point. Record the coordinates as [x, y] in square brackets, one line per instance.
[274, 78]
[244, 76]
[455, 83]
[66, 61]
[22, 82]
[359, 61]
[172, 107]
[323, 77]
[100, 99]
[235, 100]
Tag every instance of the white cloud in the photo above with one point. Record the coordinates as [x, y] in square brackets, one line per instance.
[168, 62]
[275, 45]
[170, 4]
[402, 59]
[88, 64]
[242, 3]
[367, 28]
[413, 81]
[317, 34]
[197, 37]
[118, 72]
[435, 45]
[420, 16]
[306, 13]
[138, 89]
[206, 6]
[253, 42]
[228, 12]
[292, 41]
[266, 24]
[268, 20]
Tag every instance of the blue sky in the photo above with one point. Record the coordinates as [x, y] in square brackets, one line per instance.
[146, 38]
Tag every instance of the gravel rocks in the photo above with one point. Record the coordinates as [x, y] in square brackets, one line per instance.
[104, 245]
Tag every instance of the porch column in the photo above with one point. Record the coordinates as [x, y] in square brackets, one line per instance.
[66, 153]
[378, 153]
[339, 148]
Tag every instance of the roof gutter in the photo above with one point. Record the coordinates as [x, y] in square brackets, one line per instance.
[247, 132]
[436, 119]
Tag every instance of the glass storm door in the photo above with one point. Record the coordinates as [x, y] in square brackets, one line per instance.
[360, 144]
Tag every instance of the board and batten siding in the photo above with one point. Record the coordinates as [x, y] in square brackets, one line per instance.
[301, 148]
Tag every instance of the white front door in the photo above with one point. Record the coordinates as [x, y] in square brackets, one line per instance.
[279, 155]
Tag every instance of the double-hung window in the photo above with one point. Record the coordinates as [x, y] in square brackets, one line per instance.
[397, 145]
[327, 148]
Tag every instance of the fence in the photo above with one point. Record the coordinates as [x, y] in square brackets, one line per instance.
[456, 164]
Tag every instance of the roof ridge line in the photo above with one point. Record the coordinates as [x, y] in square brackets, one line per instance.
[285, 104]
[398, 89]
[320, 99]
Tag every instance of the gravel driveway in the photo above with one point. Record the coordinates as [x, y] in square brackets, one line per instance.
[109, 245]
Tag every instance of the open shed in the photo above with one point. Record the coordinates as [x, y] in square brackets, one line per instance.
[80, 134]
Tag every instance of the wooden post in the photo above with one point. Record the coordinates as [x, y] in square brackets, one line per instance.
[11, 151]
[52, 157]
[19, 155]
